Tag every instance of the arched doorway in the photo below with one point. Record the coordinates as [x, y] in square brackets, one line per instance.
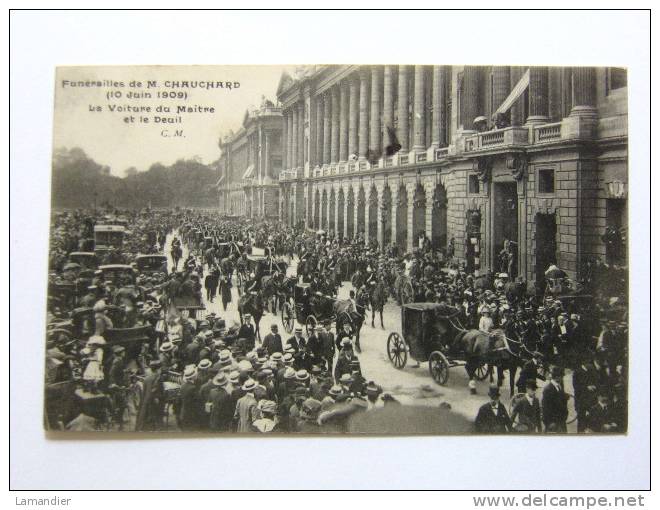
[340, 213]
[373, 214]
[419, 214]
[439, 218]
[331, 219]
[324, 210]
[317, 210]
[386, 213]
[361, 204]
[350, 214]
[402, 220]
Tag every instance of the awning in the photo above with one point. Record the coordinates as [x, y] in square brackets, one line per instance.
[516, 92]
[248, 173]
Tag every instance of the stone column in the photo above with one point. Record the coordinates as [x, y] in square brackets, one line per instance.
[584, 92]
[403, 128]
[363, 134]
[410, 241]
[327, 129]
[394, 209]
[429, 191]
[517, 108]
[318, 121]
[343, 122]
[353, 116]
[538, 95]
[471, 98]
[334, 151]
[379, 217]
[438, 130]
[388, 105]
[374, 115]
[294, 137]
[419, 112]
[554, 94]
[301, 134]
[501, 85]
[285, 140]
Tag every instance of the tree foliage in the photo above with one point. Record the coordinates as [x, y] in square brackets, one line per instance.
[79, 181]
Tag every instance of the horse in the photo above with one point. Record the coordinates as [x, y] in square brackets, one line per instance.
[377, 298]
[478, 347]
[176, 253]
[254, 305]
[345, 314]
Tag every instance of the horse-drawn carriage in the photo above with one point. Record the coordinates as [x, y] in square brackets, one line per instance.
[260, 266]
[150, 264]
[86, 259]
[309, 308]
[426, 335]
[118, 273]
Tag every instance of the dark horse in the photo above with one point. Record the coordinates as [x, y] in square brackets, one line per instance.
[345, 313]
[478, 347]
[254, 305]
[377, 298]
[176, 253]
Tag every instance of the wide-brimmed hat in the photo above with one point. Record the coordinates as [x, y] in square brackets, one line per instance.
[220, 379]
[189, 372]
[289, 373]
[166, 347]
[302, 375]
[204, 364]
[249, 385]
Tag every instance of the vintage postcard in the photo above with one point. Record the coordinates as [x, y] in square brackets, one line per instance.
[338, 249]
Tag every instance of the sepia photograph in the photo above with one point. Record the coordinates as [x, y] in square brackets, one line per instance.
[338, 249]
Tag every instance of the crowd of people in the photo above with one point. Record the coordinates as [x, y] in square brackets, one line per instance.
[213, 374]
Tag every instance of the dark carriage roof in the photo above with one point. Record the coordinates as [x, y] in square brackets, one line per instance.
[439, 308]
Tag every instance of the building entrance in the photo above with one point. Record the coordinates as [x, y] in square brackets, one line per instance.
[505, 227]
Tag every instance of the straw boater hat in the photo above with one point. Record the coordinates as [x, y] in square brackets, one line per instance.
[249, 385]
[189, 373]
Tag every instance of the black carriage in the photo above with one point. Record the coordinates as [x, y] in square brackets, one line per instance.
[307, 308]
[118, 273]
[150, 264]
[86, 259]
[424, 329]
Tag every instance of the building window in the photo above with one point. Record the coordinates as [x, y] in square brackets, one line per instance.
[616, 78]
[546, 180]
[473, 184]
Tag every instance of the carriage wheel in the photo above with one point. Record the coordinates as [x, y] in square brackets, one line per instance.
[288, 317]
[481, 373]
[406, 293]
[439, 367]
[310, 324]
[397, 351]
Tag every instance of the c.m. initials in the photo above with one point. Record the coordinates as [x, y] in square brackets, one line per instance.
[177, 133]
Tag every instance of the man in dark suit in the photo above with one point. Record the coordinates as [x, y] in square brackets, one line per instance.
[221, 406]
[492, 417]
[585, 383]
[553, 403]
[527, 410]
[297, 342]
[273, 341]
[328, 341]
[247, 332]
[601, 417]
[188, 406]
[529, 372]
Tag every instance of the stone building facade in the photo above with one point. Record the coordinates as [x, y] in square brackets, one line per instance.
[250, 164]
[469, 156]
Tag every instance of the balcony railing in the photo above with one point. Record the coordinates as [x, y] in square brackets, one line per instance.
[547, 132]
[492, 138]
[404, 159]
[441, 153]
